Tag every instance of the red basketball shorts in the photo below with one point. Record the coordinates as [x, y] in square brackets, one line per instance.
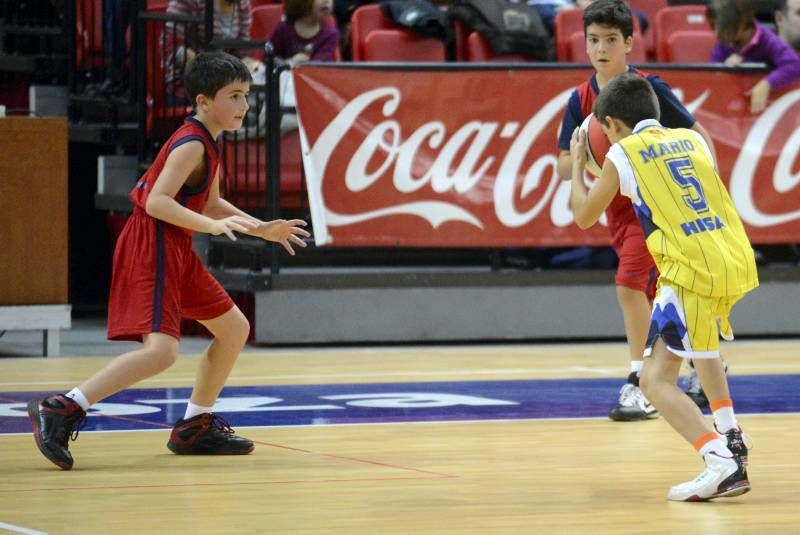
[636, 267]
[157, 280]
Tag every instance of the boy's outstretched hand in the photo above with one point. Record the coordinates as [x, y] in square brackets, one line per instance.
[229, 224]
[284, 232]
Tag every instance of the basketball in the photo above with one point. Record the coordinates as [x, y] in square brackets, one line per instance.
[597, 144]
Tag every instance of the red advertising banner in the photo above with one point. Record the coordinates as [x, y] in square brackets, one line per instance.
[467, 158]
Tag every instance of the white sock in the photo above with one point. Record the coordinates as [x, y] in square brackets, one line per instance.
[717, 446]
[636, 366]
[193, 410]
[725, 419]
[77, 396]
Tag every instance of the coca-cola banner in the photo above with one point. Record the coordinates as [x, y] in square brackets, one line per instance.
[467, 158]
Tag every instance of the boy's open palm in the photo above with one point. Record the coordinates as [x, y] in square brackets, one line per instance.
[284, 232]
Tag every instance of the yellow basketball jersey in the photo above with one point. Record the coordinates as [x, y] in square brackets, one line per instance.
[691, 227]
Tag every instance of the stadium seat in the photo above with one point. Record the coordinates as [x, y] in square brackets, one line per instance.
[671, 19]
[567, 23]
[460, 34]
[577, 42]
[479, 49]
[402, 45]
[265, 19]
[365, 20]
[690, 46]
[258, 3]
[577, 48]
[88, 35]
[650, 8]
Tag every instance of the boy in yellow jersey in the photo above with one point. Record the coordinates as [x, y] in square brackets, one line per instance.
[705, 261]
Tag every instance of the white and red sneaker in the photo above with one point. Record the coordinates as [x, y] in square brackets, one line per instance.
[724, 477]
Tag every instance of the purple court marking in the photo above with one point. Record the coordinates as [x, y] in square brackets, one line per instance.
[154, 408]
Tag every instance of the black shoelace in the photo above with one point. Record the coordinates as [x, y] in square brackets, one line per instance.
[72, 426]
[220, 424]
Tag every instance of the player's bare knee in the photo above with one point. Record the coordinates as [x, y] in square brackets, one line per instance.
[238, 330]
[164, 357]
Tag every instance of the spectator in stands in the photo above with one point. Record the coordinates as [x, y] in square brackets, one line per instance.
[305, 33]
[232, 20]
[787, 20]
[740, 38]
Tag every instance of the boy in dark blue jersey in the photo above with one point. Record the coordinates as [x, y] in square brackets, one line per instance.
[608, 26]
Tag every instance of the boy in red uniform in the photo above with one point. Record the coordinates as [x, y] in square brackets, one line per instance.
[158, 279]
[608, 26]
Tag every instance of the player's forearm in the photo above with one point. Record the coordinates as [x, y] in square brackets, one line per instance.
[577, 199]
[170, 211]
[220, 209]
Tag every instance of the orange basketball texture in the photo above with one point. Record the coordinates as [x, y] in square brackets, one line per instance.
[597, 145]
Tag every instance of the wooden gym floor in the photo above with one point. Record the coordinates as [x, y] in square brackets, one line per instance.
[434, 439]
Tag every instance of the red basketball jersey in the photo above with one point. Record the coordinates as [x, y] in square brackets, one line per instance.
[619, 212]
[193, 198]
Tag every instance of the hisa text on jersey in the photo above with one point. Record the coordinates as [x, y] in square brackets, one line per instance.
[702, 224]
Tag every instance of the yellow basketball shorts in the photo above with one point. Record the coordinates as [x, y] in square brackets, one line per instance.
[690, 324]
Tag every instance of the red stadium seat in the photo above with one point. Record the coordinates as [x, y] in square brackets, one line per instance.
[479, 49]
[88, 35]
[577, 48]
[650, 8]
[567, 23]
[365, 20]
[402, 45]
[677, 18]
[258, 3]
[690, 47]
[265, 19]
[461, 34]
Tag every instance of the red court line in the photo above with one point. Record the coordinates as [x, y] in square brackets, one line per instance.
[357, 460]
[290, 448]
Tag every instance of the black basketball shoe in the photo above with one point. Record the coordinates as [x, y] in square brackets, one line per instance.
[207, 434]
[56, 420]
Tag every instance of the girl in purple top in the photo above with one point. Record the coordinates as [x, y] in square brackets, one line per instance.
[305, 33]
[741, 39]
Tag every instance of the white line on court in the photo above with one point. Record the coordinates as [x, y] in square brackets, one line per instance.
[20, 529]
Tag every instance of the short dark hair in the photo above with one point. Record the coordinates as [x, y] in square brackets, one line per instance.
[297, 9]
[612, 13]
[629, 98]
[208, 72]
[727, 17]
